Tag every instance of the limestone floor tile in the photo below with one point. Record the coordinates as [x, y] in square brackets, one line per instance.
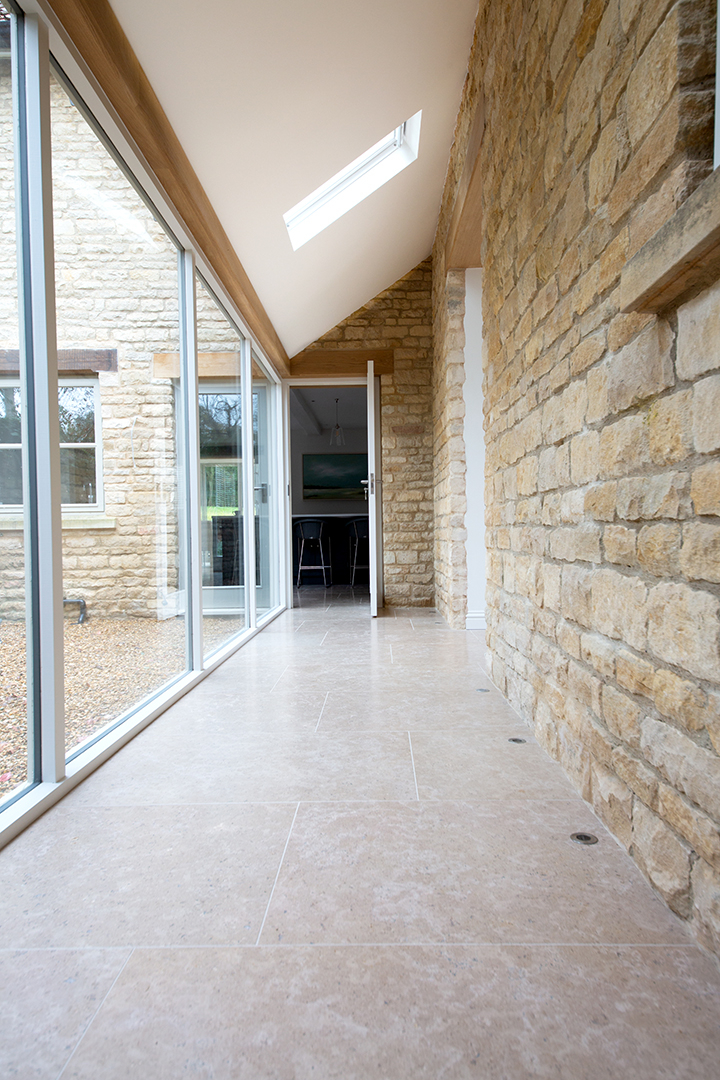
[459, 872]
[470, 765]
[47, 999]
[252, 766]
[409, 1013]
[156, 875]
[214, 712]
[395, 706]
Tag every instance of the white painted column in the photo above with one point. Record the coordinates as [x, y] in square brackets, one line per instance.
[474, 452]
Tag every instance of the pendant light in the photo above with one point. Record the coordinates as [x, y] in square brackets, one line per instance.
[337, 435]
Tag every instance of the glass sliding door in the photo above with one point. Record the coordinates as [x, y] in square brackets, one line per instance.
[220, 405]
[17, 756]
[120, 391]
[265, 455]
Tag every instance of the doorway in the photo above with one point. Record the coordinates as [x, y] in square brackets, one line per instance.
[334, 490]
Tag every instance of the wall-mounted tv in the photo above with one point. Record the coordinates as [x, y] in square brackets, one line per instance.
[334, 476]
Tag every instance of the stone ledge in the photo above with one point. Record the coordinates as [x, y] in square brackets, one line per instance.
[69, 521]
[681, 259]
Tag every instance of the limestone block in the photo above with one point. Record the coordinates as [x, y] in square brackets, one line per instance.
[622, 715]
[576, 595]
[603, 166]
[681, 700]
[551, 576]
[688, 767]
[700, 555]
[612, 801]
[706, 414]
[699, 830]
[597, 387]
[658, 549]
[698, 342]
[636, 774]
[554, 467]
[705, 489]
[670, 428]
[584, 457]
[588, 352]
[653, 78]
[620, 544]
[662, 857]
[634, 674]
[592, 737]
[568, 638]
[624, 327]
[624, 447]
[706, 897]
[600, 501]
[667, 495]
[599, 653]
[527, 476]
[619, 607]
[580, 543]
[684, 628]
[564, 414]
[642, 368]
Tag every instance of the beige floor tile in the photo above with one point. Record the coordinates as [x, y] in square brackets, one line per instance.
[497, 1013]
[157, 875]
[477, 765]
[384, 706]
[251, 766]
[48, 998]
[459, 872]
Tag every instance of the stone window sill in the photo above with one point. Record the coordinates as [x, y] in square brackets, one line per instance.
[681, 259]
[69, 521]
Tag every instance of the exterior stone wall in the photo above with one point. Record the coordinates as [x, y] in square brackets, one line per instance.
[116, 288]
[401, 318]
[449, 447]
[602, 430]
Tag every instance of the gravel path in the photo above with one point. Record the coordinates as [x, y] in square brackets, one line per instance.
[110, 665]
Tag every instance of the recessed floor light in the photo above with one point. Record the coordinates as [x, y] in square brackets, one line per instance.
[586, 838]
[516, 740]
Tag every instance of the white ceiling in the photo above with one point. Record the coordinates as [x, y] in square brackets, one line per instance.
[270, 98]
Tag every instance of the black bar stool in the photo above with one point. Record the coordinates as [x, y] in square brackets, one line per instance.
[309, 532]
[359, 533]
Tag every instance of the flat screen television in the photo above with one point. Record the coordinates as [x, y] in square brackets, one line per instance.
[334, 476]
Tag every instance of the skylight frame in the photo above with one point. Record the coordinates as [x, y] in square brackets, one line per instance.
[385, 159]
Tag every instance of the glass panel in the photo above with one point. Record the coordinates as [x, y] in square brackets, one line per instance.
[220, 405]
[14, 742]
[77, 476]
[266, 509]
[117, 296]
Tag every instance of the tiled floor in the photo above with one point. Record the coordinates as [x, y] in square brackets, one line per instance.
[328, 861]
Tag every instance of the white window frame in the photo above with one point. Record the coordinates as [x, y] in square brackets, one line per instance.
[15, 510]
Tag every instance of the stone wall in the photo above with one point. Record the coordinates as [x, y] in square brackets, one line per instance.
[401, 318]
[449, 447]
[603, 481]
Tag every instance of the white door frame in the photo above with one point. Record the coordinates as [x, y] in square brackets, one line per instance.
[287, 385]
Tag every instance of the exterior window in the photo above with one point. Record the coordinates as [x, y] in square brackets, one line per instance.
[80, 448]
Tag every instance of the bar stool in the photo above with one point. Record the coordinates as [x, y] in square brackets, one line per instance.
[359, 531]
[309, 532]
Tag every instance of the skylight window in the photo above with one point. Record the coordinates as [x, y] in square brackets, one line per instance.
[354, 183]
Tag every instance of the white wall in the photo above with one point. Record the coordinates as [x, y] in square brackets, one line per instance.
[300, 443]
[475, 452]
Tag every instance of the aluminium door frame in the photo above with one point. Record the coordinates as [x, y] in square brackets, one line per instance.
[287, 385]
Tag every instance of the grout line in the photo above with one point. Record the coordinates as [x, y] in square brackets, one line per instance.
[278, 679]
[392, 661]
[324, 636]
[302, 623]
[411, 623]
[272, 891]
[327, 695]
[412, 758]
[92, 1018]
[483, 944]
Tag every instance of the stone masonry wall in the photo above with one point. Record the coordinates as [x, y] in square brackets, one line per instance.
[449, 447]
[602, 430]
[401, 318]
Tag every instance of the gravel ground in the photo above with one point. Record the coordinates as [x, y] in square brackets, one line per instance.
[110, 665]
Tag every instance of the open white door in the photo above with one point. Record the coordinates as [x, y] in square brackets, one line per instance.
[374, 490]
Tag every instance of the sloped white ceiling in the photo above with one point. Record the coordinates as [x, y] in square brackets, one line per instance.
[270, 98]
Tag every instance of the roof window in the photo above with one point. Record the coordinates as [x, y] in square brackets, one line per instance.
[354, 183]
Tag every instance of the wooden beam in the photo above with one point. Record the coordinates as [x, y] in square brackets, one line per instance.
[96, 32]
[464, 240]
[70, 361]
[211, 365]
[340, 363]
